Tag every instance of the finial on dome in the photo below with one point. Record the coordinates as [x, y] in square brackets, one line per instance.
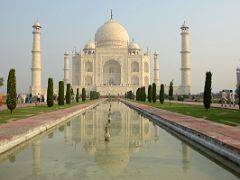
[111, 15]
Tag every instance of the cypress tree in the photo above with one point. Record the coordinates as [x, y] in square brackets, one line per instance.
[50, 93]
[170, 93]
[11, 91]
[61, 93]
[1, 81]
[83, 94]
[144, 94]
[207, 97]
[154, 92]
[68, 94]
[137, 94]
[161, 94]
[149, 93]
[77, 95]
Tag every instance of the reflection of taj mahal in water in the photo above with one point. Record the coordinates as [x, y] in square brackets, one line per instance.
[130, 132]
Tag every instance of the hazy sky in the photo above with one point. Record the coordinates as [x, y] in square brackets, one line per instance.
[214, 35]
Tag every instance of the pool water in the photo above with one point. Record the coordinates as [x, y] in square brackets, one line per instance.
[137, 149]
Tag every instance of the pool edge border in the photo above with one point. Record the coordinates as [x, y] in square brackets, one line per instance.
[210, 143]
[6, 144]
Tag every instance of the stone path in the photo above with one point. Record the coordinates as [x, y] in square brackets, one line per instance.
[228, 135]
[26, 128]
[201, 104]
[4, 106]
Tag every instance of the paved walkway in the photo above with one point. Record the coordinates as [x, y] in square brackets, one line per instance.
[201, 104]
[23, 128]
[4, 106]
[228, 135]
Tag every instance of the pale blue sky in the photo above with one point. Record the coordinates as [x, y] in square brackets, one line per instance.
[214, 35]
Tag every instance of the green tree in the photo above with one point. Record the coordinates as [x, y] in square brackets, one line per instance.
[77, 95]
[68, 94]
[170, 92]
[154, 92]
[50, 93]
[1, 81]
[149, 93]
[207, 96]
[138, 94]
[61, 93]
[143, 94]
[11, 91]
[84, 94]
[161, 94]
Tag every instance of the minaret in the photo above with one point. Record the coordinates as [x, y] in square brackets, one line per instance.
[36, 60]
[66, 67]
[185, 87]
[156, 69]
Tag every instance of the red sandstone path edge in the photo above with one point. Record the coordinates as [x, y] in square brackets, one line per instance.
[13, 130]
[229, 135]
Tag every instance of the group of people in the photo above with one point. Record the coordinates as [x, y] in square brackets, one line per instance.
[29, 98]
[228, 98]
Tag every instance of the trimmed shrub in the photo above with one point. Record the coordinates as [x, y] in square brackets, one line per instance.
[60, 93]
[68, 94]
[143, 94]
[170, 92]
[94, 95]
[161, 94]
[77, 95]
[154, 92]
[50, 101]
[11, 91]
[180, 98]
[149, 93]
[84, 94]
[138, 94]
[207, 95]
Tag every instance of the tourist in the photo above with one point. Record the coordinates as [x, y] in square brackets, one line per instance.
[30, 98]
[38, 98]
[1, 97]
[232, 98]
[224, 98]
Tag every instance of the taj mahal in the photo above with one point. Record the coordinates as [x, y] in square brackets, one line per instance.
[111, 64]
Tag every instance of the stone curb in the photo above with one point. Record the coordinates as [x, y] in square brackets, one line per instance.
[7, 144]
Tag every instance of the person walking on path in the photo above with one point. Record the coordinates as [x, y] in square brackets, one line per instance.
[1, 98]
[38, 99]
[232, 98]
[30, 98]
[224, 98]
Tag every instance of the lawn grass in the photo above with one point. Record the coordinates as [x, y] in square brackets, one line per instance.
[220, 115]
[24, 112]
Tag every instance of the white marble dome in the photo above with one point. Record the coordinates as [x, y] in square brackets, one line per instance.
[90, 45]
[111, 34]
[133, 45]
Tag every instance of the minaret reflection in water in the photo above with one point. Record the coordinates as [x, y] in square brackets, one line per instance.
[127, 132]
[36, 157]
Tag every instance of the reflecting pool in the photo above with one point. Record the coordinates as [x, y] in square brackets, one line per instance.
[137, 149]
